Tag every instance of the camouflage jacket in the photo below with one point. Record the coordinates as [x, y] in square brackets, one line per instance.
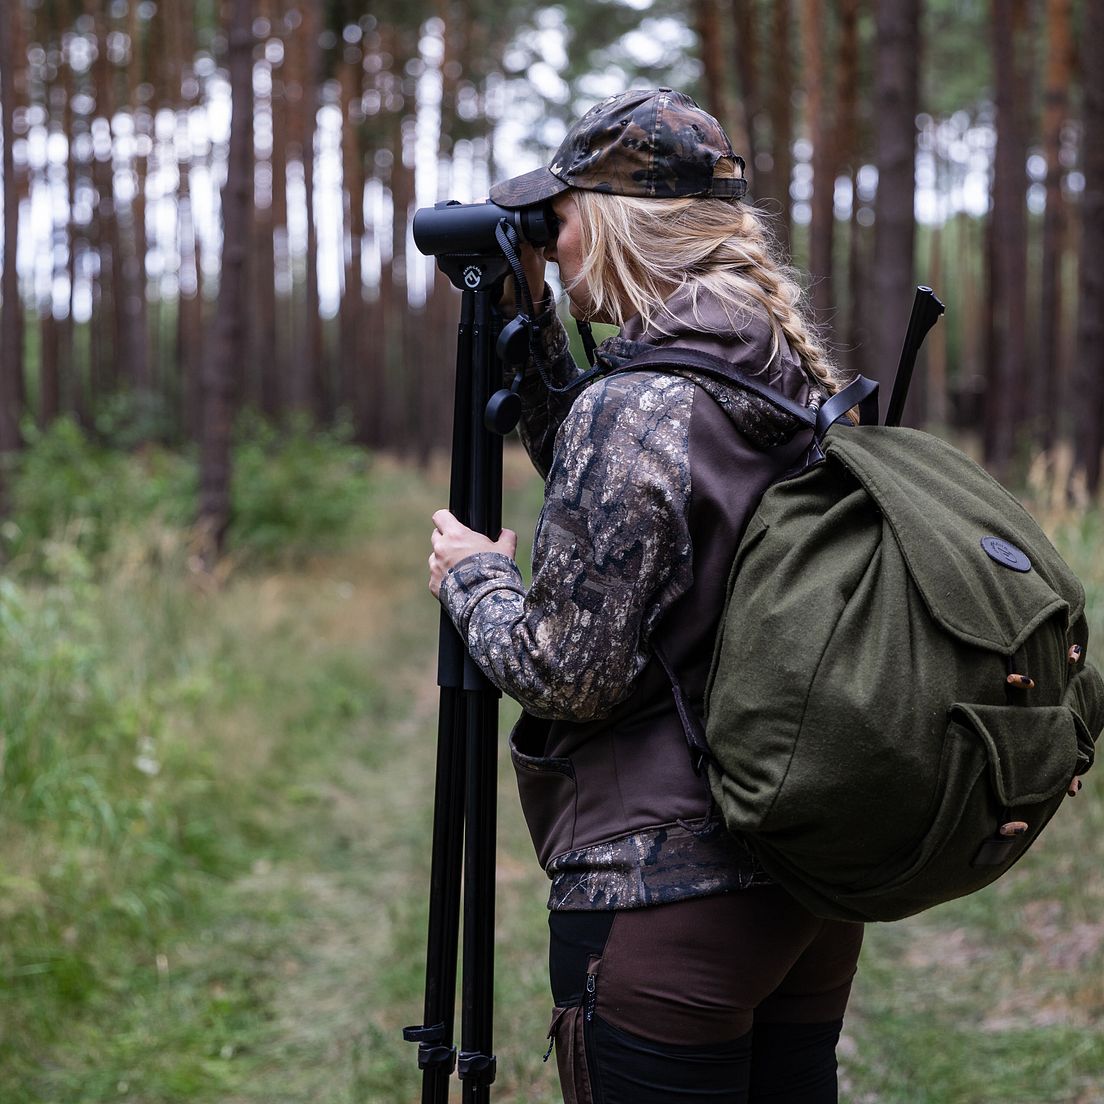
[614, 562]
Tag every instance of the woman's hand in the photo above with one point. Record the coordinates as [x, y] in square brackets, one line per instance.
[453, 542]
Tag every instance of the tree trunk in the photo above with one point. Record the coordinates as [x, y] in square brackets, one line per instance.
[109, 320]
[73, 371]
[818, 123]
[321, 392]
[139, 373]
[781, 113]
[262, 379]
[352, 299]
[1008, 254]
[710, 26]
[1049, 376]
[1088, 382]
[283, 376]
[896, 91]
[744, 16]
[228, 347]
[11, 319]
[848, 161]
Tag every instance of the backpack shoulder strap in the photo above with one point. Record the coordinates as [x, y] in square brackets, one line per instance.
[861, 392]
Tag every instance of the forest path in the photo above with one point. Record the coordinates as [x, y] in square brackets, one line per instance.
[353, 891]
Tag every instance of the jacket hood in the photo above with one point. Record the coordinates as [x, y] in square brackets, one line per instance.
[740, 335]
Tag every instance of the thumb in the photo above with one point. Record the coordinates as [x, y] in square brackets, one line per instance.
[508, 540]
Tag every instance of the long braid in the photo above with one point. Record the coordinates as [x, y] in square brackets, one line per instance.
[638, 252]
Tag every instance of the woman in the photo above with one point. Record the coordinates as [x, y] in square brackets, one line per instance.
[679, 970]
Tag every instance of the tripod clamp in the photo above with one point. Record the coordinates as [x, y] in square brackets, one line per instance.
[477, 1068]
[431, 1054]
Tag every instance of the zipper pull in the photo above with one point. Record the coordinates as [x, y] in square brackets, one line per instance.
[591, 997]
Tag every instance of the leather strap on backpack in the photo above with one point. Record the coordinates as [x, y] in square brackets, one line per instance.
[860, 392]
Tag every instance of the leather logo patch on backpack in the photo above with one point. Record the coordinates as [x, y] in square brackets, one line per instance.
[1007, 555]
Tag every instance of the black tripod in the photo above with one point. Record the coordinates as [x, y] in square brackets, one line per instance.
[464, 819]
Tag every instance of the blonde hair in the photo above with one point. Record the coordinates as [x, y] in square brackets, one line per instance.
[638, 252]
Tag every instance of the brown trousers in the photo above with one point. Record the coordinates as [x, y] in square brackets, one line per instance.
[732, 998]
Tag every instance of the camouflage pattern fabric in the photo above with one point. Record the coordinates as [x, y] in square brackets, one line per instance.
[611, 553]
[653, 144]
[654, 867]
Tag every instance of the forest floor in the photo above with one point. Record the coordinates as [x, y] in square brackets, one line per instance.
[285, 962]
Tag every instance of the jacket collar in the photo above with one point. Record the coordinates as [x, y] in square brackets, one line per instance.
[739, 335]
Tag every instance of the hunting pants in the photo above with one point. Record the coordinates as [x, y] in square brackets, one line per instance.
[737, 998]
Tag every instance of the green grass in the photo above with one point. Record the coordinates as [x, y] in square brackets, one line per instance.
[214, 847]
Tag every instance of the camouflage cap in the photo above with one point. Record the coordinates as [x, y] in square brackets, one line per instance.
[654, 143]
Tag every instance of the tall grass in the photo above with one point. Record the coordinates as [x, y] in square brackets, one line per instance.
[215, 805]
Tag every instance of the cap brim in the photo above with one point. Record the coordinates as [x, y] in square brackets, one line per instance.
[531, 187]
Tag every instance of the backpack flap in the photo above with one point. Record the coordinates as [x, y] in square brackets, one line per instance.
[985, 570]
[1033, 753]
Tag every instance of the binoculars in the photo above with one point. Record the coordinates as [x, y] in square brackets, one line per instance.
[450, 227]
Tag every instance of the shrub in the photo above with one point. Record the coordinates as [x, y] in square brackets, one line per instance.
[292, 493]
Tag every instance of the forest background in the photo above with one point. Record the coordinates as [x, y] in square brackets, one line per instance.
[225, 388]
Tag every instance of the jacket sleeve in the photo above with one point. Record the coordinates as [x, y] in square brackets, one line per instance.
[611, 553]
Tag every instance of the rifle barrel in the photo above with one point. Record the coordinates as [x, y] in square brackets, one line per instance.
[926, 309]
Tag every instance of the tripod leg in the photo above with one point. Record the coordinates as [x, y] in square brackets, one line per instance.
[465, 804]
[436, 1052]
[477, 1062]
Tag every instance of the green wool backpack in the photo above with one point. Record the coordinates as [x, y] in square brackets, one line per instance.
[899, 699]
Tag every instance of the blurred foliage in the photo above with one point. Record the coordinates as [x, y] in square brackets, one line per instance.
[68, 487]
[295, 492]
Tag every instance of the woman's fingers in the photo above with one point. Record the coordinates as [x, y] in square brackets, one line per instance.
[452, 541]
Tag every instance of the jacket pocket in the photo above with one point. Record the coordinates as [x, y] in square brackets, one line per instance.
[547, 788]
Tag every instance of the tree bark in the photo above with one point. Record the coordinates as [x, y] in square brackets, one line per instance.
[109, 320]
[896, 90]
[220, 367]
[11, 318]
[189, 319]
[282, 376]
[352, 298]
[262, 379]
[744, 16]
[137, 345]
[1049, 377]
[1088, 383]
[781, 114]
[818, 121]
[321, 392]
[709, 24]
[1008, 254]
[848, 161]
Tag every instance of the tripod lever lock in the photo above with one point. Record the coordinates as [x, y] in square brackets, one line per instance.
[431, 1052]
[477, 1068]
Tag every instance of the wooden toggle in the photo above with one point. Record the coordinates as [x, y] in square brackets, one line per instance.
[1074, 787]
[1021, 682]
[1013, 828]
[1074, 655]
